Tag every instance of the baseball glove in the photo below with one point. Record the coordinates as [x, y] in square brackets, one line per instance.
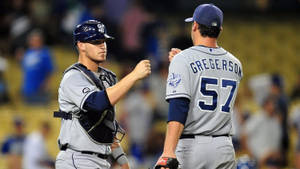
[167, 162]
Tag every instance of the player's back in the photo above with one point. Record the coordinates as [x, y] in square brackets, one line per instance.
[210, 78]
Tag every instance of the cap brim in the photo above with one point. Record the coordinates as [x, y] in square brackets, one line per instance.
[191, 19]
[108, 37]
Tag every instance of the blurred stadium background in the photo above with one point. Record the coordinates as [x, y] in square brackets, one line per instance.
[263, 34]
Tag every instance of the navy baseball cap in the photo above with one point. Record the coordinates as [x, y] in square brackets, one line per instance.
[90, 30]
[208, 15]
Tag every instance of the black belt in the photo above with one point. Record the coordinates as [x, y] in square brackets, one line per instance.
[103, 156]
[184, 136]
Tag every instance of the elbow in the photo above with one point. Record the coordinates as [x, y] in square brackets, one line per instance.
[97, 101]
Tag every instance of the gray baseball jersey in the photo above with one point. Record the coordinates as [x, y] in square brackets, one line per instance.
[73, 91]
[209, 78]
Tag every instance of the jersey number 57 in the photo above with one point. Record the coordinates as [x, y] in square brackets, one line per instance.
[214, 93]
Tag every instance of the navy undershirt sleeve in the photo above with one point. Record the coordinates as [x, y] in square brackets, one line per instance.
[97, 101]
[178, 109]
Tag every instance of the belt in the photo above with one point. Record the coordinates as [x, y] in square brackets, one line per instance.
[103, 156]
[184, 136]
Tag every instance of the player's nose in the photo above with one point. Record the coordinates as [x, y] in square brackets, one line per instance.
[102, 47]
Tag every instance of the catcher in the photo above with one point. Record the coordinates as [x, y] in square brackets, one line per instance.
[87, 95]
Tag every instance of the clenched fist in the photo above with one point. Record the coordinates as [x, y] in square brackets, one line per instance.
[142, 69]
[173, 52]
[117, 91]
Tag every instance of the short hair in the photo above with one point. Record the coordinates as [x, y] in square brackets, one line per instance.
[212, 31]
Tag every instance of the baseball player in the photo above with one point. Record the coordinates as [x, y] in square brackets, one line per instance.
[201, 89]
[87, 95]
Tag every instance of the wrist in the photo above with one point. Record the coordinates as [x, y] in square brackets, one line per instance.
[169, 154]
[133, 77]
[168, 149]
[119, 155]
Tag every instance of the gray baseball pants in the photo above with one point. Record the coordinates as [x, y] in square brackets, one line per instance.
[70, 159]
[206, 152]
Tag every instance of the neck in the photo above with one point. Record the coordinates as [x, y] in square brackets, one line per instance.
[206, 41]
[90, 64]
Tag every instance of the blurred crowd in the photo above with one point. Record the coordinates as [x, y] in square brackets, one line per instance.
[265, 133]
[23, 150]
[142, 29]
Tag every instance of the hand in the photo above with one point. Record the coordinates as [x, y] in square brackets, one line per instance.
[166, 163]
[167, 159]
[173, 52]
[115, 144]
[142, 69]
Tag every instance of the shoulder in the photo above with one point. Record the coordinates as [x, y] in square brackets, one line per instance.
[46, 51]
[257, 118]
[8, 140]
[28, 51]
[34, 137]
[182, 57]
[233, 57]
[186, 51]
[72, 75]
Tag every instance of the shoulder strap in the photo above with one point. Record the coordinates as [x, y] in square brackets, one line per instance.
[108, 76]
[62, 114]
[108, 71]
[88, 74]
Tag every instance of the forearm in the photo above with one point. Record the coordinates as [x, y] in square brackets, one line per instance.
[116, 92]
[125, 166]
[174, 130]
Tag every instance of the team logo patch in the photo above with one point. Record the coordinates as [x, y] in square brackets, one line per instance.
[86, 90]
[100, 28]
[214, 24]
[174, 80]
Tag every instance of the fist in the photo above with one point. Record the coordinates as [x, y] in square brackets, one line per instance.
[173, 52]
[142, 69]
[166, 163]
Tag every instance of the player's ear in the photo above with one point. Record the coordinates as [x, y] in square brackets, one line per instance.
[221, 29]
[195, 26]
[81, 46]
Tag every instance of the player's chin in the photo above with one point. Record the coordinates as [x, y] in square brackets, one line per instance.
[99, 59]
[102, 57]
